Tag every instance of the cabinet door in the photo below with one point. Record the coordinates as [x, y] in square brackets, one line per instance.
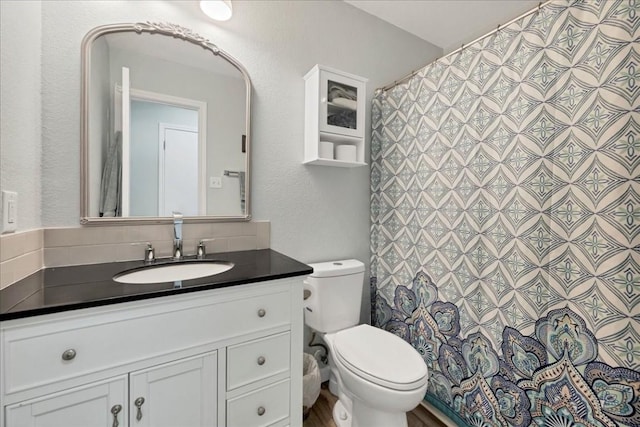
[100, 404]
[181, 393]
[341, 104]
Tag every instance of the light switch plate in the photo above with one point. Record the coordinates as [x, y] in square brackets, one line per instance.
[9, 211]
[215, 182]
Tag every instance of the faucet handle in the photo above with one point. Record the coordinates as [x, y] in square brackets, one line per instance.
[149, 254]
[201, 251]
[177, 215]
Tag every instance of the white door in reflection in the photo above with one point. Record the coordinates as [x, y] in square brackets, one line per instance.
[164, 166]
[178, 170]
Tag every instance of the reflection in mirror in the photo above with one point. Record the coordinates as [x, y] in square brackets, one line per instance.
[165, 126]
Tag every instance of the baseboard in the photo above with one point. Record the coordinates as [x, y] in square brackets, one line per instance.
[437, 413]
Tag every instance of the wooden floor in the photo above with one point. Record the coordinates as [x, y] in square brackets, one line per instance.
[320, 415]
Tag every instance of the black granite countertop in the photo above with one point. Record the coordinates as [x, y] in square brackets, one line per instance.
[57, 289]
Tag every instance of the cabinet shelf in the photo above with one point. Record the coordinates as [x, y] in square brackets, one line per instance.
[333, 162]
[337, 108]
[334, 113]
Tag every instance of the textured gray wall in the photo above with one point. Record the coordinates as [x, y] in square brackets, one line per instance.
[20, 113]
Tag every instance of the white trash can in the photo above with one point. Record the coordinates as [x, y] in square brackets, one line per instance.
[310, 382]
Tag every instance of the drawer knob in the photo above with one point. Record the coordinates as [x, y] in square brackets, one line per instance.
[261, 360]
[69, 354]
[261, 411]
[262, 312]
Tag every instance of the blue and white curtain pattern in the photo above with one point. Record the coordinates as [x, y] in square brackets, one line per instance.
[506, 220]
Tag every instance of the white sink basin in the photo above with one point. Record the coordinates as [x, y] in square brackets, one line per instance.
[172, 272]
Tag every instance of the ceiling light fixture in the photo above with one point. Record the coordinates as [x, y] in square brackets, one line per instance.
[219, 10]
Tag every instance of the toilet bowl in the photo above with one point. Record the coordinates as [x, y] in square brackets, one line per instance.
[384, 376]
[377, 376]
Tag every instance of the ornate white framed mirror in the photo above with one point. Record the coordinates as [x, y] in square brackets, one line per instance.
[165, 127]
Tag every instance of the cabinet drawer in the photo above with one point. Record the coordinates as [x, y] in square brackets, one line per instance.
[258, 359]
[262, 407]
[33, 354]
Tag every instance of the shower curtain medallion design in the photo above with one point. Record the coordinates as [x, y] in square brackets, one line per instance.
[506, 220]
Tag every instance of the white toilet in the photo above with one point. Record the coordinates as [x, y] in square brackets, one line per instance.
[376, 375]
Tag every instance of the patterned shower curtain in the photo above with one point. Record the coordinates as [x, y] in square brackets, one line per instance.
[506, 220]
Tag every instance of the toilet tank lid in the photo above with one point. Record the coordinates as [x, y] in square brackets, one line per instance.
[337, 268]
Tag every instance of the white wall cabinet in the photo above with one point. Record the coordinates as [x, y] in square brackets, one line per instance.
[334, 113]
[226, 357]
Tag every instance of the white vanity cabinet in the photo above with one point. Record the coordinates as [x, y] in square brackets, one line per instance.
[335, 115]
[224, 357]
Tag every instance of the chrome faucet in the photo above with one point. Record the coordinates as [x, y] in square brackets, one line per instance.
[177, 235]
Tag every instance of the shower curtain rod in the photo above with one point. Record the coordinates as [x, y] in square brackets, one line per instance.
[413, 73]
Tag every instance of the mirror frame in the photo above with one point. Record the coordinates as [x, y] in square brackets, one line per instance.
[171, 30]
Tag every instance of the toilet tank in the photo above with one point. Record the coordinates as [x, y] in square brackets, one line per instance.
[333, 295]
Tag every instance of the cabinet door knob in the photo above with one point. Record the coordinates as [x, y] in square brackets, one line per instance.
[261, 360]
[69, 354]
[115, 410]
[262, 312]
[261, 411]
[139, 402]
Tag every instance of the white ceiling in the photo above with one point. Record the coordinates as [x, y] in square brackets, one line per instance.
[446, 23]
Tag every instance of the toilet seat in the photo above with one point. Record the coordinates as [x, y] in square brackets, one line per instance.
[380, 357]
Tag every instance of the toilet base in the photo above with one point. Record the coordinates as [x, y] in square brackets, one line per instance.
[366, 416]
[333, 386]
[341, 417]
